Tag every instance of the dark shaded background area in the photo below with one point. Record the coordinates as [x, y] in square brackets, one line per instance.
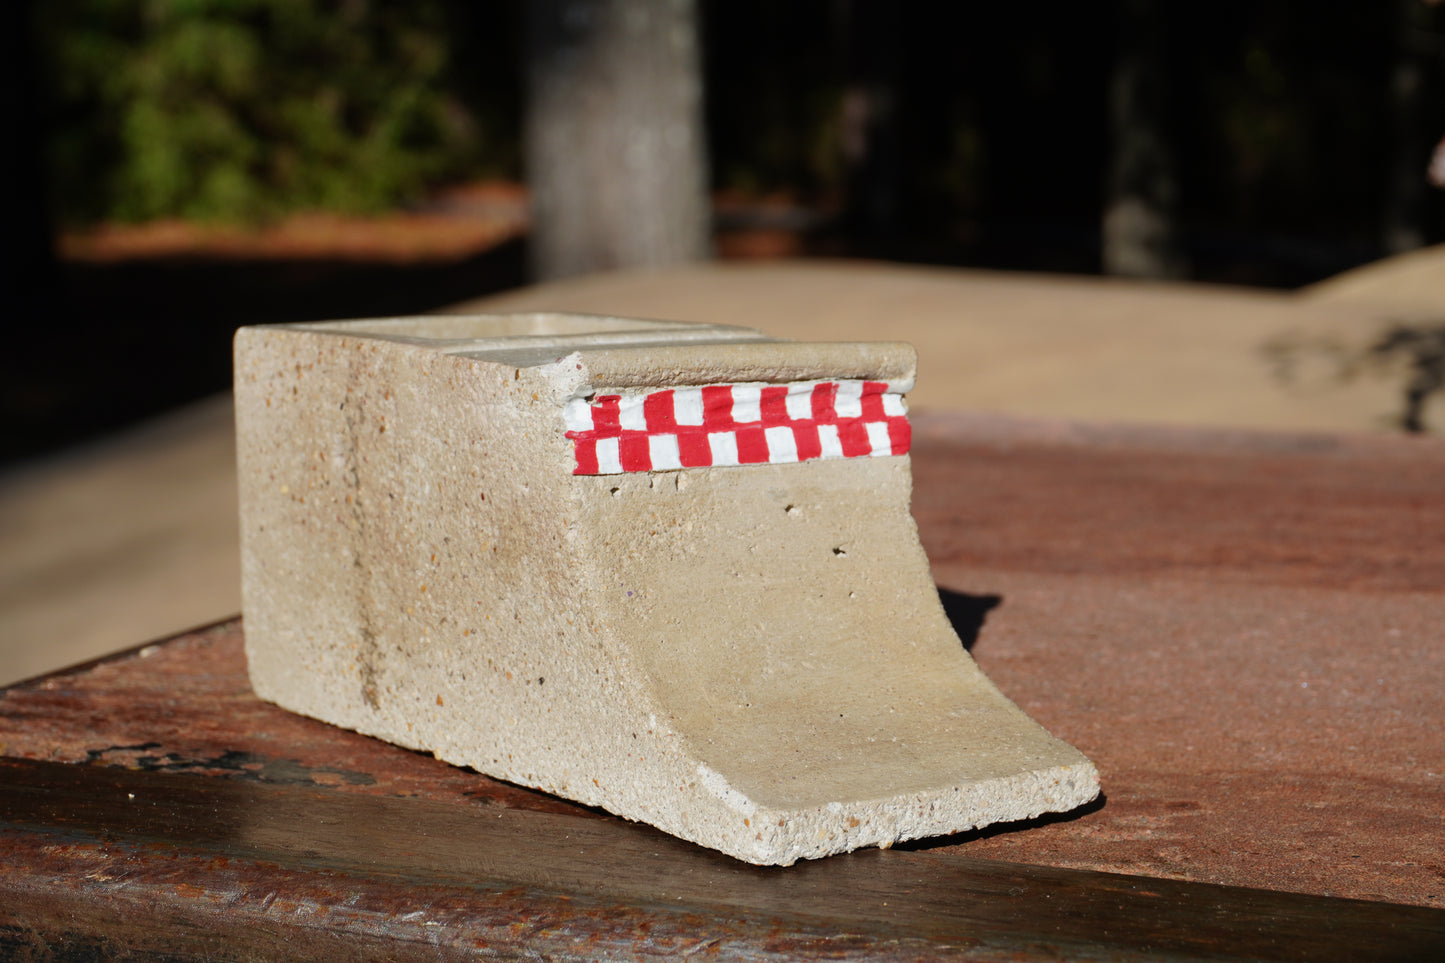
[124, 340]
[974, 135]
[996, 154]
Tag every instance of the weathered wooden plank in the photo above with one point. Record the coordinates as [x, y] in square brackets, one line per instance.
[1242, 630]
[106, 859]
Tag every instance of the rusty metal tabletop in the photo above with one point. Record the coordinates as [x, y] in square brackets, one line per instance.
[1244, 631]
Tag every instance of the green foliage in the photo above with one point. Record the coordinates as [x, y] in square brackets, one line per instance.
[239, 110]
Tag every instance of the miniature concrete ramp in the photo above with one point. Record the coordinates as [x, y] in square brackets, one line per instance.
[664, 569]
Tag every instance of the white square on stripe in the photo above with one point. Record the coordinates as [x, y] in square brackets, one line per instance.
[577, 415]
[850, 399]
[724, 446]
[782, 446]
[747, 403]
[800, 402]
[687, 406]
[608, 460]
[893, 405]
[662, 449]
[878, 437]
[630, 413]
[828, 441]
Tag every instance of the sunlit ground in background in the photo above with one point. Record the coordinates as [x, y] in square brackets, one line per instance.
[132, 535]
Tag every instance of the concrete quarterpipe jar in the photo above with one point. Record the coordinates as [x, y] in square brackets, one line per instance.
[662, 568]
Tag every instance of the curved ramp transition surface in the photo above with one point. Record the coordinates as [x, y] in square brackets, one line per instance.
[664, 569]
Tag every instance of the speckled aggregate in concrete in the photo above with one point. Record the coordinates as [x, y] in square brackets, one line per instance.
[752, 658]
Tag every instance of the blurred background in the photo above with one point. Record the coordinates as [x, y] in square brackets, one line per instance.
[185, 166]
[182, 167]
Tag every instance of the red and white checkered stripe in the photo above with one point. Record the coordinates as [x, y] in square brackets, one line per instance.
[721, 425]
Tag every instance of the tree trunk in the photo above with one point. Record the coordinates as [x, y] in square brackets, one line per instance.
[1140, 230]
[616, 153]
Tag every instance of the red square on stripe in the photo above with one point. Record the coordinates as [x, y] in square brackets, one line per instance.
[900, 433]
[805, 436]
[717, 407]
[872, 400]
[752, 446]
[658, 410]
[693, 450]
[773, 405]
[606, 416]
[825, 398]
[586, 453]
[853, 438]
[633, 453]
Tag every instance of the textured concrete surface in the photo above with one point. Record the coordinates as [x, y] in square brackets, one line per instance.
[1242, 629]
[752, 657]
